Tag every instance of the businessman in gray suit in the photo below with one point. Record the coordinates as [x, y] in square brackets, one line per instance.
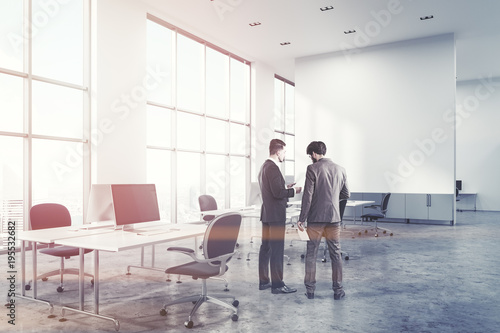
[275, 195]
[326, 184]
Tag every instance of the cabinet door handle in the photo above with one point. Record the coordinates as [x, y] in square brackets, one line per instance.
[430, 200]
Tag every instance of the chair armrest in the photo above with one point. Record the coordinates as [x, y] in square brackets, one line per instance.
[373, 206]
[184, 250]
[181, 249]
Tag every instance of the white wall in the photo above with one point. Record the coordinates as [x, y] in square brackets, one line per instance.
[478, 140]
[263, 109]
[381, 112]
[118, 92]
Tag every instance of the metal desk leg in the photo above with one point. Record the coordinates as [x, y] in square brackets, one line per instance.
[152, 267]
[23, 276]
[23, 269]
[34, 263]
[96, 292]
[81, 275]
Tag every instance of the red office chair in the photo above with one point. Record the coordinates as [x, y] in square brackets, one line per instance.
[51, 215]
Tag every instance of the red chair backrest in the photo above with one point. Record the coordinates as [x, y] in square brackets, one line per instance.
[49, 215]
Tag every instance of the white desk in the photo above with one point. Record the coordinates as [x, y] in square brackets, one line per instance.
[248, 210]
[466, 195]
[350, 203]
[354, 204]
[100, 240]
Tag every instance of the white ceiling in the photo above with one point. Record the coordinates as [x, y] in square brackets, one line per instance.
[310, 31]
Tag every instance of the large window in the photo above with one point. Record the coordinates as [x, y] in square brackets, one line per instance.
[284, 120]
[43, 108]
[198, 123]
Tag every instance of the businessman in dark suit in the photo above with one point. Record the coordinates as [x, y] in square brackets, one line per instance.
[275, 194]
[326, 184]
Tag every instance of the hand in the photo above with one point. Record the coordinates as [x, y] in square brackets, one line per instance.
[290, 185]
[298, 189]
[300, 225]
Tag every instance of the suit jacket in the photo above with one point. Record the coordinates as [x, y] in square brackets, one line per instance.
[326, 184]
[274, 193]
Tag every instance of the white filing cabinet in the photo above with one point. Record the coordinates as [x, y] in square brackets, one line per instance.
[429, 206]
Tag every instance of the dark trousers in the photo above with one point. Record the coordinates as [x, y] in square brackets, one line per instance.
[271, 254]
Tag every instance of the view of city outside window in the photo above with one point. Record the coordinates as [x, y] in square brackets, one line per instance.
[284, 120]
[41, 90]
[198, 123]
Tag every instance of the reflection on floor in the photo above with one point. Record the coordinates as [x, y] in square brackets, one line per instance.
[425, 278]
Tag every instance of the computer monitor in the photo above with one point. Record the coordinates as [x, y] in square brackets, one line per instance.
[134, 203]
[100, 207]
[254, 196]
[458, 184]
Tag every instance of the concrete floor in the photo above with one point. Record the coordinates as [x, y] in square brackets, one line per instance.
[425, 278]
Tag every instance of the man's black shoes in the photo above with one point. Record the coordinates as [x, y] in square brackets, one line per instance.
[283, 290]
[310, 295]
[339, 295]
[264, 286]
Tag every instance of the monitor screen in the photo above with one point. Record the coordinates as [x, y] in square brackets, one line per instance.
[254, 197]
[135, 203]
[100, 206]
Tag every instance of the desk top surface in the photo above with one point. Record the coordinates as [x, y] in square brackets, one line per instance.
[350, 203]
[120, 240]
[242, 210]
[108, 239]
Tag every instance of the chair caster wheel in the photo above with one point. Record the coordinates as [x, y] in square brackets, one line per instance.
[302, 256]
[234, 317]
[346, 258]
[236, 303]
[366, 231]
[359, 233]
[27, 287]
[188, 324]
[45, 279]
[391, 234]
[323, 260]
[384, 232]
[163, 312]
[60, 289]
[376, 235]
[92, 282]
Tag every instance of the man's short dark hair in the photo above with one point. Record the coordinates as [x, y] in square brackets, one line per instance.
[317, 147]
[275, 146]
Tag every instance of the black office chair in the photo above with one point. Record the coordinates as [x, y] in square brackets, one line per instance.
[51, 215]
[207, 202]
[380, 211]
[218, 247]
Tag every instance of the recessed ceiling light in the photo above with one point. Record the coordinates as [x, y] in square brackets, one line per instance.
[347, 32]
[285, 43]
[326, 8]
[423, 18]
[254, 24]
